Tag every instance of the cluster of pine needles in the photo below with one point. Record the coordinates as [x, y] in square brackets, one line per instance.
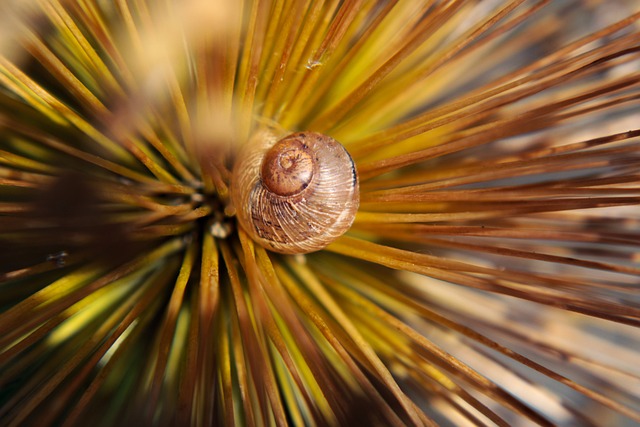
[491, 276]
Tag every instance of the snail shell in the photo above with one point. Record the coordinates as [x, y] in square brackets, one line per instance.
[295, 195]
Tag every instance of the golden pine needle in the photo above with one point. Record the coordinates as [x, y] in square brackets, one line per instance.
[497, 151]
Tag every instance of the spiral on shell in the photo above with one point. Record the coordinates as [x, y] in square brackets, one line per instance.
[297, 194]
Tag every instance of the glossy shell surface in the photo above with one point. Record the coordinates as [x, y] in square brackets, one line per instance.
[297, 194]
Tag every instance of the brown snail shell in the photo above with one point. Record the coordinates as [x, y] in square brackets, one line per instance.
[297, 194]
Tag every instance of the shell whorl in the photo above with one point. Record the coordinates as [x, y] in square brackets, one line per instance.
[295, 195]
[288, 167]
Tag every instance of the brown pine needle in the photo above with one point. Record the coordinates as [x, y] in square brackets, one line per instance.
[490, 275]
